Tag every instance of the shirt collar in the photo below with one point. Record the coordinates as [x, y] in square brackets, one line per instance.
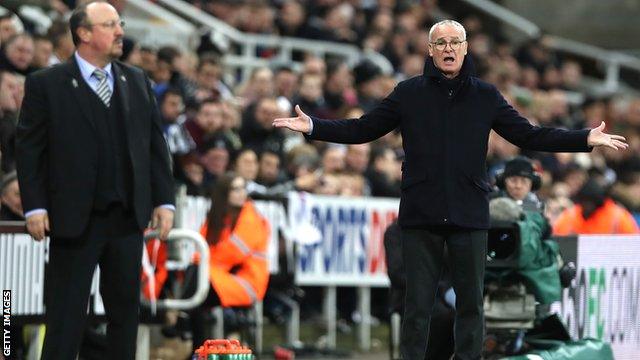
[87, 69]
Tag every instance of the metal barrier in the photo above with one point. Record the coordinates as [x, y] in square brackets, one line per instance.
[613, 61]
[203, 271]
[285, 46]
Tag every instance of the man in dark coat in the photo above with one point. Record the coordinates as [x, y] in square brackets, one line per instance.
[93, 169]
[445, 117]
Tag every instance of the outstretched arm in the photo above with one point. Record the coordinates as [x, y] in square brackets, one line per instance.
[370, 126]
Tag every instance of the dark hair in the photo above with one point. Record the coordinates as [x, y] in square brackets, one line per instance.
[57, 31]
[168, 54]
[209, 100]
[77, 20]
[208, 58]
[6, 16]
[170, 91]
[219, 196]
[15, 37]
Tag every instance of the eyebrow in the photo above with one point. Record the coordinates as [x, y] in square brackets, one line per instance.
[445, 39]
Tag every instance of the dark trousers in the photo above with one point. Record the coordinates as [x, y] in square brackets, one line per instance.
[113, 241]
[422, 253]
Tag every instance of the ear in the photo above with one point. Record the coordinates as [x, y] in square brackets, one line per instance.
[84, 34]
[431, 50]
[465, 45]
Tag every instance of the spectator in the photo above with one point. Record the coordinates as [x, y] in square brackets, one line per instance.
[7, 27]
[366, 76]
[259, 85]
[519, 181]
[9, 106]
[246, 166]
[338, 89]
[256, 131]
[207, 122]
[384, 173]
[42, 51]
[190, 172]
[215, 160]
[173, 118]
[131, 52]
[269, 173]
[333, 159]
[310, 96]
[63, 47]
[17, 54]
[209, 82]
[594, 213]
[286, 83]
[11, 207]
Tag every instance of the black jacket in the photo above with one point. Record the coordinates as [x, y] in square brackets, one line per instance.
[445, 127]
[57, 150]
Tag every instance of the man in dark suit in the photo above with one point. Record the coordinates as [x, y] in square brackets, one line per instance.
[445, 117]
[93, 168]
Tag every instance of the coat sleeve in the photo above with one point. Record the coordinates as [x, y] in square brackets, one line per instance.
[32, 146]
[162, 191]
[370, 126]
[509, 124]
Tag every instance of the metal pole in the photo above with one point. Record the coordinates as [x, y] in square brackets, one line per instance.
[330, 315]
[364, 307]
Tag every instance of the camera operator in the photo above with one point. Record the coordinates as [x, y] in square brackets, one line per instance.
[518, 181]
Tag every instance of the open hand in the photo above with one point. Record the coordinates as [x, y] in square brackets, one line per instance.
[301, 123]
[599, 138]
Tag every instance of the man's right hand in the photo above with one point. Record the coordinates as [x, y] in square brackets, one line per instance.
[301, 123]
[37, 224]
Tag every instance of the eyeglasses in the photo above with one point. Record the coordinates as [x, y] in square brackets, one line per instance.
[109, 24]
[440, 45]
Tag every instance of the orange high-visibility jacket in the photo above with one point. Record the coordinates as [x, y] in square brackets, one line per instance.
[610, 218]
[243, 248]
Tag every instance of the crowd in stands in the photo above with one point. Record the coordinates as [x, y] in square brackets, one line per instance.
[216, 122]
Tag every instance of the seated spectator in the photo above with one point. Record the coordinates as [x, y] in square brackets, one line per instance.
[257, 132]
[333, 159]
[215, 155]
[209, 80]
[383, 173]
[11, 205]
[8, 119]
[310, 96]
[238, 237]
[8, 28]
[595, 213]
[63, 47]
[246, 166]
[207, 122]
[17, 54]
[519, 181]
[43, 49]
[269, 172]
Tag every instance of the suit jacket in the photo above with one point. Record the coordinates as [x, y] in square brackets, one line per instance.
[57, 152]
[445, 127]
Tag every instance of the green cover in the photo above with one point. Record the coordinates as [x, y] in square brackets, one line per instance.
[537, 261]
[585, 349]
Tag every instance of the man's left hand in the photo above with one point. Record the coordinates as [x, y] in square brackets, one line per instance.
[162, 220]
[599, 138]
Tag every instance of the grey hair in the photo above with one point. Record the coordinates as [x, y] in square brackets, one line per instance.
[453, 23]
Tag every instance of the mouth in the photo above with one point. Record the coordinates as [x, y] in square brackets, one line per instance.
[449, 59]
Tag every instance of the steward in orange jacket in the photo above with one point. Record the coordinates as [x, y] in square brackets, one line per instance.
[238, 265]
[594, 213]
